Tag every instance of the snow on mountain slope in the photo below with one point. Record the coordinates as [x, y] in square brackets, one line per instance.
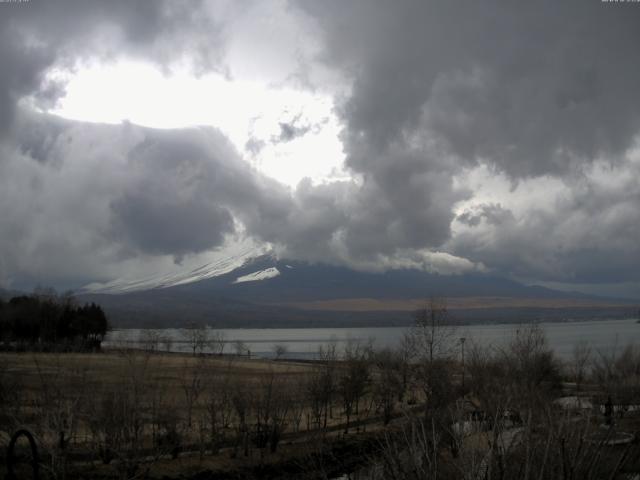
[215, 268]
[260, 275]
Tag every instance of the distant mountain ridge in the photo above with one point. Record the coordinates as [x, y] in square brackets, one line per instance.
[263, 291]
[299, 281]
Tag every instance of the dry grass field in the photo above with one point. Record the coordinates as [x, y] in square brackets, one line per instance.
[177, 413]
[131, 414]
[112, 367]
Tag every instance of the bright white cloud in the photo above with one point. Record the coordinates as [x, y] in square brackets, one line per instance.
[248, 112]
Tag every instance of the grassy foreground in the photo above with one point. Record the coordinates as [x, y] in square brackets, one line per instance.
[408, 414]
[127, 413]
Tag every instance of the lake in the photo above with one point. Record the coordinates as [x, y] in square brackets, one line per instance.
[601, 335]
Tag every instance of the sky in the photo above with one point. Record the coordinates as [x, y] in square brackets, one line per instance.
[140, 136]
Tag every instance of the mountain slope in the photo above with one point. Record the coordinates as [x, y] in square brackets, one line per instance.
[267, 292]
[210, 270]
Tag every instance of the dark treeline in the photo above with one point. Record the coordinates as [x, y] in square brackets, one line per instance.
[47, 320]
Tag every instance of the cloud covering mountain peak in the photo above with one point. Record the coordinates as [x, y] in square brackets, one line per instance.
[476, 135]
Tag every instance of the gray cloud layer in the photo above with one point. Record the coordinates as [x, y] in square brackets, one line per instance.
[107, 193]
[544, 92]
[588, 232]
[530, 88]
[532, 91]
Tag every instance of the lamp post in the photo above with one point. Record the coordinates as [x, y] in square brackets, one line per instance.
[462, 340]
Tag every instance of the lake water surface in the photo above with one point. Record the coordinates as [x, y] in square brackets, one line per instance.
[601, 335]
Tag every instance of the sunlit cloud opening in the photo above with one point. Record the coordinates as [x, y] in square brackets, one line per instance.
[286, 133]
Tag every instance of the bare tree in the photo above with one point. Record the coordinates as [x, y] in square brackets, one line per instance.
[432, 340]
[487, 373]
[387, 382]
[217, 341]
[240, 347]
[433, 334]
[241, 400]
[298, 404]
[280, 350]
[354, 378]
[411, 454]
[150, 340]
[531, 366]
[271, 404]
[323, 384]
[580, 358]
[618, 374]
[489, 443]
[57, 403]
[116, 423]
[167, 343]
[405, 354]
[192, 384]
[218, 405]
[196, 336]
[555, 447]
[318, 397]
[11, 399]
[117, 416]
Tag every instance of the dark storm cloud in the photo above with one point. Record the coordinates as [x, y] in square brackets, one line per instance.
[529, 90]
[356, 222]
[37, 135]
[157, 213]
[532, 88]
[157, 225]
[22, 67]
[108, 193]
[313, 223]
[182, 188]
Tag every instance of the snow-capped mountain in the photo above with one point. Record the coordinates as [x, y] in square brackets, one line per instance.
[177, 277]
[250, 289]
